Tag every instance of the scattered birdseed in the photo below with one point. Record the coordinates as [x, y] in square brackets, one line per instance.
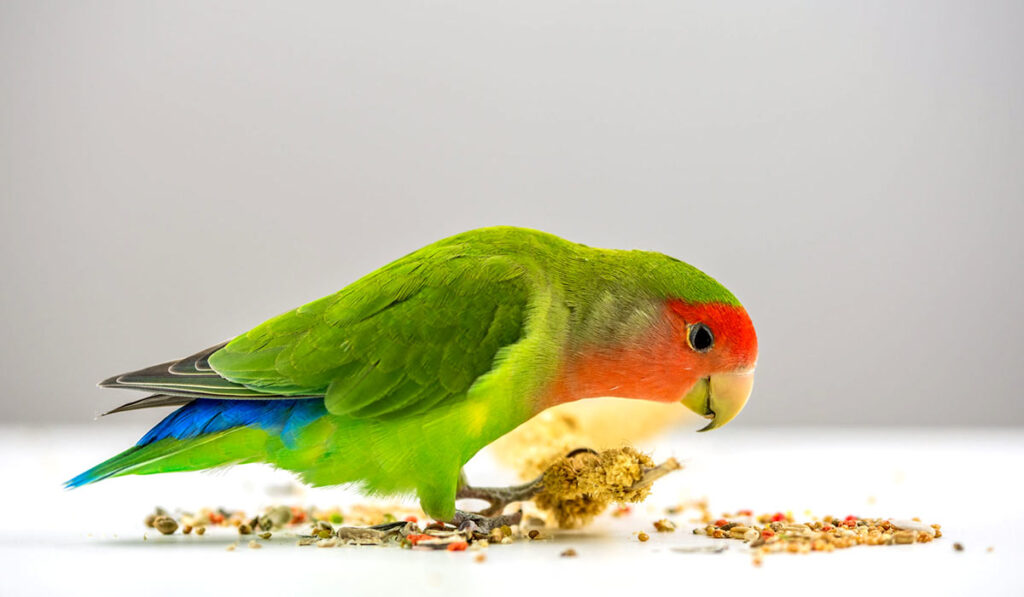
[165, 524]
[186, 529]
[958, 546]
[533, 534]
[989, 549]
[359, 535]
[232, 547]
[569, 553]
[254, 545]
[780, 533]
[200, 530]
[265, 535]
[642, 536]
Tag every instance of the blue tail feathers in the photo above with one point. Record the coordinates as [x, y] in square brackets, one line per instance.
[205, 416]
[210, 416]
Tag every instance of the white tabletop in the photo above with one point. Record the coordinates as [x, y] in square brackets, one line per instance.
[54, 541]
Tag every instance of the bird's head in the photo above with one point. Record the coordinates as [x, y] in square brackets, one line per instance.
[717, 346]
[669, 334]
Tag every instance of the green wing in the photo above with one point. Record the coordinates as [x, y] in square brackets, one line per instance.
[413, 334]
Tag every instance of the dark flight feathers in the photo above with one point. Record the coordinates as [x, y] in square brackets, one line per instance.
[182, 381]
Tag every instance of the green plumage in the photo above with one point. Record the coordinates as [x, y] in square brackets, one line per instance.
[420, 363]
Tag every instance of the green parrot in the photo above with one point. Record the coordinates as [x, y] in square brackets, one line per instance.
[394, 382]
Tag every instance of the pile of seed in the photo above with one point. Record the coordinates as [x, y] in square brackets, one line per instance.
[780, 533]
[275, 518]
[409, 535]
[326, 530]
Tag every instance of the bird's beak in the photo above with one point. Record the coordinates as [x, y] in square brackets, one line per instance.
[719, 397]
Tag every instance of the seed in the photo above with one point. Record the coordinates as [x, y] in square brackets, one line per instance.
[187, 529]
[200, 530]
[244, 529]
[664, 526]
[165, 524]
[958, 546]
[279, 516]
[642, 536]
[232, 547]
[265, 535]
[904, 537]
[457, 546]
[480, 558]
[506, 530]
[534, 533]
[569, 553]
[914, 525]
[254, 545]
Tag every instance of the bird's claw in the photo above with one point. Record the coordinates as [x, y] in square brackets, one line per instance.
[480, 524]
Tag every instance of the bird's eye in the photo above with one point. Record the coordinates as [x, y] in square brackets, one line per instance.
[700, 337]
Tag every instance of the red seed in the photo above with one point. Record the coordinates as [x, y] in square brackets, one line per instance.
[414, 539]
[778, 517]
[767, 533]
[721, 522]
[850, 517]
[411, 519]
[827, 528]
[746, 512]
[457, 546]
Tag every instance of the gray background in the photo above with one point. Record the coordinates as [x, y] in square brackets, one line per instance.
[172, 174]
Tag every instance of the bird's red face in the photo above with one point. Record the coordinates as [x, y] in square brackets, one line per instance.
[720, 351]
[700, 354]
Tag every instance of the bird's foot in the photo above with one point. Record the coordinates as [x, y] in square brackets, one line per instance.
[500, 497]
[471, 522]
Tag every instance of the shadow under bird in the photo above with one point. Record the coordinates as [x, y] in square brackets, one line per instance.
[394, 382]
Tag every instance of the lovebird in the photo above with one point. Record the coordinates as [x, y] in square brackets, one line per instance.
[394, 382]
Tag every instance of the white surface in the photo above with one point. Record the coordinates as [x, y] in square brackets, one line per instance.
[90, 540]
